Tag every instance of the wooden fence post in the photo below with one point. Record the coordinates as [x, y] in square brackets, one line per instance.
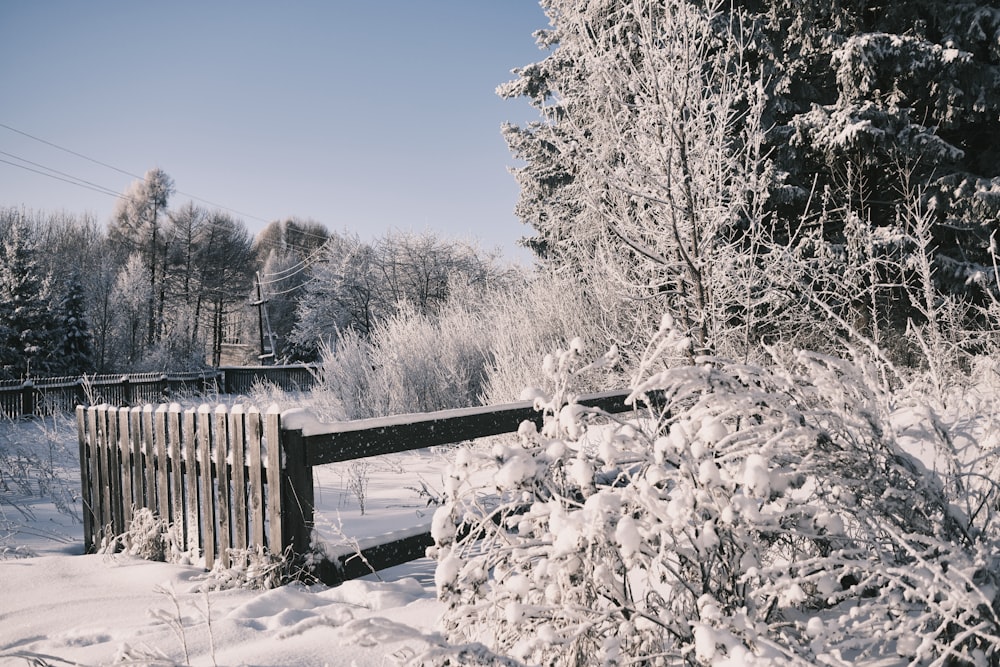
[86, 484]
[126, 390]
[28, 398]
[297, 494]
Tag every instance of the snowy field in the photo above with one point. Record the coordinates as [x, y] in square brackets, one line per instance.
[59, 607]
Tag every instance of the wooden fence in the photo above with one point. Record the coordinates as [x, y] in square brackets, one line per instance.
[208, 472]
[47, 396]
[204, 472]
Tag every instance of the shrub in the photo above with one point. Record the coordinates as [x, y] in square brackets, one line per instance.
[768, 513]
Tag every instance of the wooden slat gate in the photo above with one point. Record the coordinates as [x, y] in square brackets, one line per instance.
[204, 472]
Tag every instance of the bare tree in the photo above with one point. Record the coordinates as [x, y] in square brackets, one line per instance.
[653, 117]
[136, 227]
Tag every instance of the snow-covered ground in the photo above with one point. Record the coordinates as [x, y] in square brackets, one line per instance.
[60, 607]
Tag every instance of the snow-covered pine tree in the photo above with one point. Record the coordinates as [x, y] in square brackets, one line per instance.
[862, 97]
[863, 106]
[75, 355]
[26, 322]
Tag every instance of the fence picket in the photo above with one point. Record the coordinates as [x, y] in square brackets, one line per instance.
[135, 436]
[110, 417]
[160, 449]
[93, 492]
[190, 454]
[85, 480]
[103, 473]
[95, 468]
[222, 476]
[206, 486]
[176, 476]
[255, 500]
[125, 462]
[149, 461]
[237, 428]
[272, 439]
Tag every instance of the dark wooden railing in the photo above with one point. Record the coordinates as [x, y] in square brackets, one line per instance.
[209, 473]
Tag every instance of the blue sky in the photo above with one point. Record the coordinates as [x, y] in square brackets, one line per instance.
[365, 116]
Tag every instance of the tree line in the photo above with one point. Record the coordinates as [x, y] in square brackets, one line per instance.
[164, 287]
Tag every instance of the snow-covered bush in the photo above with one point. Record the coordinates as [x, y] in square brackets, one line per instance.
[482, 346]
[413, 362]
[527, 323]
[765, 515]
[256, 569]
[148, 537]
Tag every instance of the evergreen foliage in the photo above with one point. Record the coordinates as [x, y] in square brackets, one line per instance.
[26, 321]
[76, 353]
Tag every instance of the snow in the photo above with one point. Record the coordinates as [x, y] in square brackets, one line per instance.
[59, 606]
[96, 609]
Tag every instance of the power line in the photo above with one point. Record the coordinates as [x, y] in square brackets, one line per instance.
[128, 173]
[76, 182]
[73, 179]
[71, 152]
[80, 182]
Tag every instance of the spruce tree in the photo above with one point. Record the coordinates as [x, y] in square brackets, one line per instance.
[26, 322]
[75, 353]
[871, 105]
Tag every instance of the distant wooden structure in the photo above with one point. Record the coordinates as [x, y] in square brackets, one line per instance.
[40, 397]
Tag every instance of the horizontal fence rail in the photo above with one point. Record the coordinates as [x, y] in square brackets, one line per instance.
[306, 446]
[232, 480]
[42, 397]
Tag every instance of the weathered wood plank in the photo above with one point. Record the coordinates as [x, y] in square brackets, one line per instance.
[373, 437]
[224, 504]
[176, 473]
[272, 437]
[296, 493]
[255, 500]
[86, 485]
[104, 475]
[95, 474]
[237, 444]
[125, 451]
[192, 534]
[206, 487]
[160, 453]
[115, 472]
[138, 474]
[149, 502]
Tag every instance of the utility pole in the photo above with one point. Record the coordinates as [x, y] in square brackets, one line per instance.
[266, 334]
